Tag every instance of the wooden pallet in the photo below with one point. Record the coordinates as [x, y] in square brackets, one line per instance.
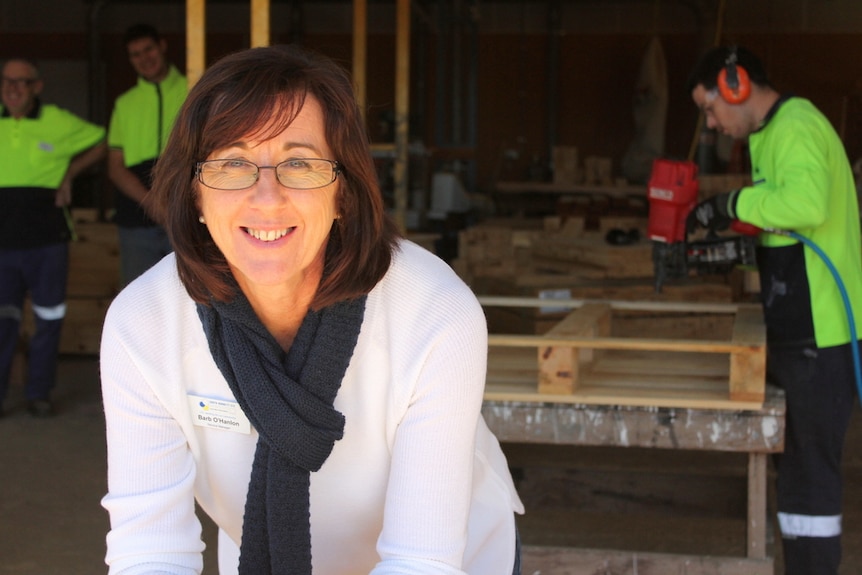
[581, 360]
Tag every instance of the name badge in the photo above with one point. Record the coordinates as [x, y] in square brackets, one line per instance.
[218, 414]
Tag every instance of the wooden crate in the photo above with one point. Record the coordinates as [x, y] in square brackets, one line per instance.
[565, 164]
[94, 258]
[581, 359]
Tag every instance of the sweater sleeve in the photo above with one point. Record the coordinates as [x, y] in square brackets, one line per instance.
[429, 494]
[150, 499]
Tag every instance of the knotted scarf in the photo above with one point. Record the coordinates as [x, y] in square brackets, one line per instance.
[289, 400]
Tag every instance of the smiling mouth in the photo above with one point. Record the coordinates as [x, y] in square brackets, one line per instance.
[267, 235]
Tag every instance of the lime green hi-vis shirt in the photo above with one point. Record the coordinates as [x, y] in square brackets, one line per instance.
[144, 115]
[802, 182]
[35, 151]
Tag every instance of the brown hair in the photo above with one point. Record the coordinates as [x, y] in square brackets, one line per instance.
[260, 91]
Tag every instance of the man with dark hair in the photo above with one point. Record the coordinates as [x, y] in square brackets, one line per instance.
[803, 187]
[140, 124]
[42, 149]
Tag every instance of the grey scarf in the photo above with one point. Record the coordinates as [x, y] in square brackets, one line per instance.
[289, 400]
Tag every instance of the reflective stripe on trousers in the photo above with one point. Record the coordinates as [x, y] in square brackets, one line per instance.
[11, 312]
[795, 525]
[50, 313]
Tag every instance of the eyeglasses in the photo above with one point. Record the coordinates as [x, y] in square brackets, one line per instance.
[19, 82]
[296, 173]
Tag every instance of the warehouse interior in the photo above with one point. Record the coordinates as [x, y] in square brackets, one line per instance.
[514, 138]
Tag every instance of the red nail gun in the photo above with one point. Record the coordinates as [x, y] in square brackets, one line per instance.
[673, 191]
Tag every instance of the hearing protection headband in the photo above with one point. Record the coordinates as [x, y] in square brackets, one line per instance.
[733, 82]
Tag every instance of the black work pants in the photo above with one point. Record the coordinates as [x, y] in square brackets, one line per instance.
[820, 389]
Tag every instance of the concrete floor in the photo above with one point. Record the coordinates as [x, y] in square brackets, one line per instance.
[52, 476]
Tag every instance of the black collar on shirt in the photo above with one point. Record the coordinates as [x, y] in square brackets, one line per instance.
[34, 113]
[773, 110]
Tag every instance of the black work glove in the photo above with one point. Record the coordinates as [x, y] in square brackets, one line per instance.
[715, 214]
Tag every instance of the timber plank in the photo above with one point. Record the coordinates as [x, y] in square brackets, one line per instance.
[703, 398]
[662, 362]
[747, 369]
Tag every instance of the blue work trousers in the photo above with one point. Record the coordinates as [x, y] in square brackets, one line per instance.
[42, 272]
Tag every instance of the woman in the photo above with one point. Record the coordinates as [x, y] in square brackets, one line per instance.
[313, 380]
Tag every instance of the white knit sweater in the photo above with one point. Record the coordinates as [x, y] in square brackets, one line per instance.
[418, 485]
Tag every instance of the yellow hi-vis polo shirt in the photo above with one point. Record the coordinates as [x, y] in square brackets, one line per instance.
[141, 122]
[35, 153]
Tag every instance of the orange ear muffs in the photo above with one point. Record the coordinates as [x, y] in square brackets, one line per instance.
[733, 82]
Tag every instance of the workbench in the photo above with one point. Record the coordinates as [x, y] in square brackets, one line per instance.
[757, 432]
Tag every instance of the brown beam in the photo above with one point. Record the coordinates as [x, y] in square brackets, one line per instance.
[195, 40]
[259, 23]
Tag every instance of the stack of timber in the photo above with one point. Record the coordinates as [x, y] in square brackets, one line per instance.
[557, 257]
[94, 280]
[555, 248]
[587, 359]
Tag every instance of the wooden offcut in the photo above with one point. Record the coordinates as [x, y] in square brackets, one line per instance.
[716, 371]
[560, 366]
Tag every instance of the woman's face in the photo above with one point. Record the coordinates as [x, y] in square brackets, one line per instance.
[273, 236]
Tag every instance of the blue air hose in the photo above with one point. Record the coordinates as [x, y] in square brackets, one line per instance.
[854, 341]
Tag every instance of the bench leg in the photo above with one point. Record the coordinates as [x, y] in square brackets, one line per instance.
[757, 519]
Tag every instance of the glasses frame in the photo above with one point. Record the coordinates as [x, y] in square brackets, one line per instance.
[336, 170]
[18, 82]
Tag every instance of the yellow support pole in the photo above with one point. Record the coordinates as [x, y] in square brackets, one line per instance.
[195, 40]
[360, 52]
[259, 23]
[402, 109]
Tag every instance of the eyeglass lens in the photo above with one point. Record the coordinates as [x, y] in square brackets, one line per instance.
[296, 173]
[18, 82]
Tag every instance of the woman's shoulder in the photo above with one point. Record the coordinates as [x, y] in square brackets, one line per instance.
[424, 271]
[421, 281]
[153, 297]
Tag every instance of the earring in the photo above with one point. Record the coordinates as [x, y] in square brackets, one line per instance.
[201, 219]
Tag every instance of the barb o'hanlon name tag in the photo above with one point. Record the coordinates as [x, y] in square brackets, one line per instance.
[218, 414]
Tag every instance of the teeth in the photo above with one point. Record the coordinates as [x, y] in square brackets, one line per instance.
[267, 235]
